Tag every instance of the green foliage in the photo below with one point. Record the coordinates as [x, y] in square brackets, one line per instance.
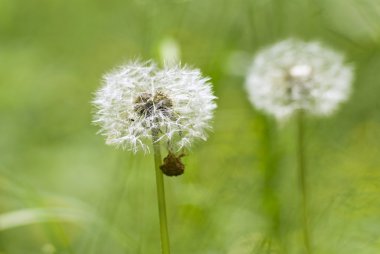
[62, 190]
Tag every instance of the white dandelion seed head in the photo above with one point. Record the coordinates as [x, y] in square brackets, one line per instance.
[139, 98]
[294, 75]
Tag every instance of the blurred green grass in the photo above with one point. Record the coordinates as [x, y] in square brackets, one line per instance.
[52, 56]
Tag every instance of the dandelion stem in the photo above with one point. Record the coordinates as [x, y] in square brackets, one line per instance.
[165, 246]
[302, 178]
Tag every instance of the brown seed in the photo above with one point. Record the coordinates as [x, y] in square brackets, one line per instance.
[173, 165]
[146, 104]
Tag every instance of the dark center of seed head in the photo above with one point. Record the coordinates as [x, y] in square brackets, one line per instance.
[146, 104]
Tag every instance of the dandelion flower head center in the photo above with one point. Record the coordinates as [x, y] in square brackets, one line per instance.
[296, 78]
[147, 104]
[300, 71]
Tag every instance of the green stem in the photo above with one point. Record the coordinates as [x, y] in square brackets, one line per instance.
[302, 179]
[270, 173]
[165, 246]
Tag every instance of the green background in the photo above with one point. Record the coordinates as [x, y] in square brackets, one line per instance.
[62, 190]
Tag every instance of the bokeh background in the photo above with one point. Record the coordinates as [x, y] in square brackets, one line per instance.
[62, 190]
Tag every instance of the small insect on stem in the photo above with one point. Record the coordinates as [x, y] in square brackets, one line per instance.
[173, 165]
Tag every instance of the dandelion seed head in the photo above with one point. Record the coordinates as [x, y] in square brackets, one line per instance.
[294, 75]
[138, 98]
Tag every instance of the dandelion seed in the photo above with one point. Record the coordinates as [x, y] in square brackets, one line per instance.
[294, 75]
[138, 98]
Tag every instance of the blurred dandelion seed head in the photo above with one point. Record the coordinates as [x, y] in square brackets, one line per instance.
[292, 75]
[48, 248]
[170, 51]
[139, 97]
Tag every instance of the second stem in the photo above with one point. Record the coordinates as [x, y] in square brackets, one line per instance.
[302, 178]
